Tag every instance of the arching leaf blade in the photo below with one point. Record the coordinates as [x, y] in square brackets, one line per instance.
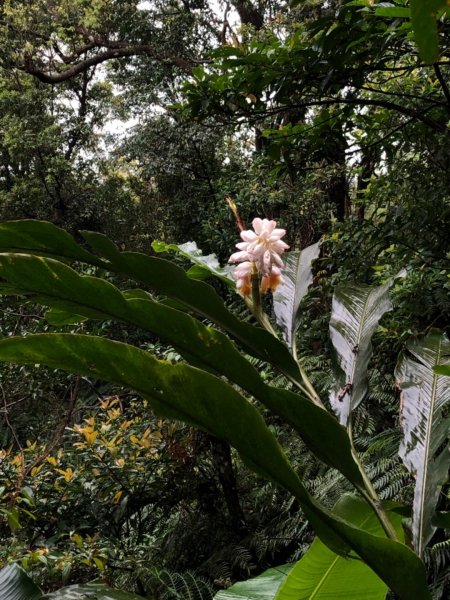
[355, 314]
[44, 239]
[59, 286]
[321, 574]
[425, 447]
[262, 587]
[182, 392]
[297, 277]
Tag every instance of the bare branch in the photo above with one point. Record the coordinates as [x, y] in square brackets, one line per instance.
[117, 51]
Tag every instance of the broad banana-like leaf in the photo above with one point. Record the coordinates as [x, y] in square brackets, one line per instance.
[44, 239]
[297, 277]
[196, 397]
[323, 575]
[58, 285]
[262, 587]
[425, 448]
[355, 313]
[94, 590]
[209, 263]
[15, 584]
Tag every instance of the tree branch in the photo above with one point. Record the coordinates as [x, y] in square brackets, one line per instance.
[443, 83]
[110, 53]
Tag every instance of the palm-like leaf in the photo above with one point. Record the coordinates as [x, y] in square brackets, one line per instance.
[297, 277]
[355, 314]
[426, 427]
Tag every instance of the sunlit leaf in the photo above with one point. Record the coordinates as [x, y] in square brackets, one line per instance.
[426, 427]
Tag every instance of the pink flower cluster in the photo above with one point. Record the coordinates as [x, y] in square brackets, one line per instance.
[259, 252]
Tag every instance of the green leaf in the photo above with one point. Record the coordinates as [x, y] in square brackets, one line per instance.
[393, 11]
[196, 397]
[58, 317]
[191, 251]
[162, 276]
[262, 587]
[55, 283]
[423, 18]
[16, 585]
[442, 519]
[13, 519]
[355, 313]
[179, 392]
[442, 370]
[297, 277]
[44, 239]
[426, 428]
[94, 590]
[323, 575]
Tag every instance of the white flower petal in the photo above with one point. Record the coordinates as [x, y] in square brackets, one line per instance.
[258, 224]
[279, 246]
[277, 260]
[277, 234]
[239, 256]
[242, 245]
[248, 235]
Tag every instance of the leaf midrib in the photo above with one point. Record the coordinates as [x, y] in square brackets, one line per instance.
[427, 451]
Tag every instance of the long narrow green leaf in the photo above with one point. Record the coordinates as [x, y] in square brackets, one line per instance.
[44, 239]
[15, 584]
[162, 276]
[196, 397]
[355, 313]
[323, 575]
[58, 285]
[177, 391]
[297, 277]
[425, 422]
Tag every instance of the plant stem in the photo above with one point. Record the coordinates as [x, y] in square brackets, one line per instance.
[370, 493]
[312, 394]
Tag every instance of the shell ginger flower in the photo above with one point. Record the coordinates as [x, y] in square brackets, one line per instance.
[259, 252]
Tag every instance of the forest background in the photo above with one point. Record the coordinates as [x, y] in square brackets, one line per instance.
[319, 115]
